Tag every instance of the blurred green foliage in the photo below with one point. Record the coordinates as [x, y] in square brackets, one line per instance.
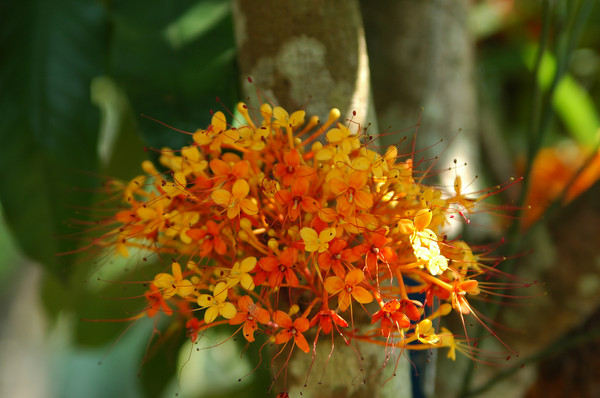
[76, 75]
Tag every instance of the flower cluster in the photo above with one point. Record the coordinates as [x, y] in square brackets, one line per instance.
[294, 229]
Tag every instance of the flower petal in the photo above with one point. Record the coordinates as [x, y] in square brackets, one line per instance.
[309, 235]
[336, 135]
[334, 284]
[354, 277]
[240, 317]
[292, 158]
[249, 207]
[176, 271]
[240, 189]
[338, 186]
[245, 303]
[297, 118]
[247, 282]
[218, 122]
[205, 300]
[361, 295]
[269, 263]
[344, 300]
[221, 197]
[283, 320]
[240, 169]
[219, 167]
[261, 315]
[301, 324]
[301, 342]
[363, 199]
[211, 314]
[327, 235]
[280, 114]
[228, 310]
[185, 288]
[422, 219]
[249, 329]
[220, 292]
[283, 337]
[232, 212]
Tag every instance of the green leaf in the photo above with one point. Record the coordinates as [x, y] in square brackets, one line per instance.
[173, 60]
[571, 101]
[48, 126]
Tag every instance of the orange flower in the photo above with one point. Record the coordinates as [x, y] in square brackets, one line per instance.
[192, 327]
[351, 189]
[435, 291]
[392, 318]
[459, 291]
[375, 249]
[281, 268]
[156, 302]
[291, 329]
[335, 257]
[348, 288]
[249, 314]
[274, 224]
[295, 199]
[291, 168]
[552, 171]
[228, 171]
[409, 307]
[211, 238]
[326, 319]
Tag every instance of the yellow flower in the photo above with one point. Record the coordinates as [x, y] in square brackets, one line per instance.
[342, 138]
[437, 264]
[235, 201]
[240, 274]
[426, 332]
[314, 242]
[216, 134]
[283, 118]
[216, 304]
[447, 340]
[172, 284]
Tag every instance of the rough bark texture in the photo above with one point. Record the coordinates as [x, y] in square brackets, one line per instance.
[422, 55]
[312, 54]
[308, 54]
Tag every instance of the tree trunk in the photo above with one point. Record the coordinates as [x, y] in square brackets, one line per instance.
[308, 54]
[422, 56]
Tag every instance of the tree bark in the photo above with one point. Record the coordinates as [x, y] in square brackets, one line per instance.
[422, 56]
[309, 54]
